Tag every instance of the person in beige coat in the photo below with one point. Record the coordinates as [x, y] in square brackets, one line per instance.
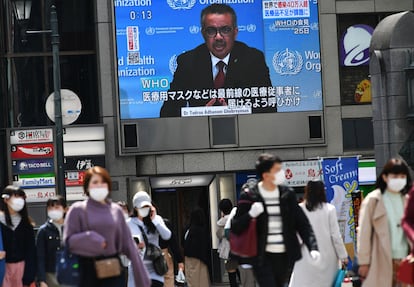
[381, 240]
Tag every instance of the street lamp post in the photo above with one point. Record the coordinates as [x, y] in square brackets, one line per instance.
[22, 11]
[61, 189]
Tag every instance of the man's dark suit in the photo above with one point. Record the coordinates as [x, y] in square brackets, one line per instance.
[246, 68]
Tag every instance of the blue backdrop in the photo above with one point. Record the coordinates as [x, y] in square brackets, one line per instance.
[150, 35]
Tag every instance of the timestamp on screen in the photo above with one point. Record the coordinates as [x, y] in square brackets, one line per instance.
[140, 15]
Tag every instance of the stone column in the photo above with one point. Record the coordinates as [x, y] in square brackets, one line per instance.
[392, 50]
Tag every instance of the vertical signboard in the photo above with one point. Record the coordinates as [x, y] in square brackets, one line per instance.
[32, 161]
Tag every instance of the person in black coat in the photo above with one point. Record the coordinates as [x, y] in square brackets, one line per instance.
[278, 221]
[49, 240]
[196, 69]
[18, 239]
[197, 250]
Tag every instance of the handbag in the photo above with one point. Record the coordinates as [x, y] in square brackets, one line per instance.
[339, 278]
[405, 272]
[155, 254]
[108, 267]
[245, 244]
[67, 267]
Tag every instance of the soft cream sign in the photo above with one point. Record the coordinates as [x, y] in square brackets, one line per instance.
[341, 179]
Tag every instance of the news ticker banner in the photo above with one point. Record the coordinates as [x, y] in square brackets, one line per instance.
[32, 161]
[148, 44]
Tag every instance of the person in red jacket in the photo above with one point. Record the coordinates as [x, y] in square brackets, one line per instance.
[408, 219]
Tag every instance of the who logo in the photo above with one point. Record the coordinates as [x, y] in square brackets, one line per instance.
[181, 4]
[287, 62]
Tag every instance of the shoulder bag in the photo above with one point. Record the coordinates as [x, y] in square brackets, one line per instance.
[155, 254]
[106, 267]
[245, 244]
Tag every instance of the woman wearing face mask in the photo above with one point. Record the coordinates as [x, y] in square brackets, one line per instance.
[49, 240]
[322, 217]
[381, 240]
[18, 239]
[96, 228]
[145, 219]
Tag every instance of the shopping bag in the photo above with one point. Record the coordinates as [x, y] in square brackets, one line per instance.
[180, 278]
[405, 272]
[67, 267]
[340, 275]
[245, 243]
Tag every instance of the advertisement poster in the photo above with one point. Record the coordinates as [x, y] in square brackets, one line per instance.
[341, 181]
[148, 43]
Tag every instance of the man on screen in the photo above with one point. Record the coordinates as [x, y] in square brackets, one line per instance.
[221, 62]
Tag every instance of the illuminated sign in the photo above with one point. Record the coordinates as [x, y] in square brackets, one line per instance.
[286, 32]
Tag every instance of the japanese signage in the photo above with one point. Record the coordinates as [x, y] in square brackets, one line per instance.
[286, 31]
[298, 173]
[32, 160]
[45, 150]
[31, 136]
[341, 180]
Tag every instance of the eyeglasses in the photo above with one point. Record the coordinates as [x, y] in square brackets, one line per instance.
[211, 32]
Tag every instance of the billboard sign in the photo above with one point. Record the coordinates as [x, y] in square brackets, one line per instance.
[286, 33]
[31, 136]
[32, 151]
[30, 166]
[34, 180]
[83, 162]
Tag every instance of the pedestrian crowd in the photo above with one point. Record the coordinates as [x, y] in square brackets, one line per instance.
[283, 242]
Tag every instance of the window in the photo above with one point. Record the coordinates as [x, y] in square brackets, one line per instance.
[357, 134]
[26, 64]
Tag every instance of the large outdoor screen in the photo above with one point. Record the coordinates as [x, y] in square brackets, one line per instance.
[152, 34]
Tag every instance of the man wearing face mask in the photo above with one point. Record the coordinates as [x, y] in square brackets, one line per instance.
[146, 223]
[279, 219]
[49, 240]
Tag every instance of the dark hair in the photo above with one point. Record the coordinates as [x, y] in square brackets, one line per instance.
[218, 9]
[265, 163]
[225, 206]
[8, 192]
[394, 166]
[147, 220]
[198, 217]
[315, 194]
[99, 171]
[56, 200]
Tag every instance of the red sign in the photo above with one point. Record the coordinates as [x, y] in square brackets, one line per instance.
[44, 150]
[74, 178]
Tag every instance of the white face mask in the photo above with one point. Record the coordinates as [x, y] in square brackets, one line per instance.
[55, 214]
[396, 184]
[144, 211]
[279, 177]
[98, 193]
[16, 203]
[126, 216]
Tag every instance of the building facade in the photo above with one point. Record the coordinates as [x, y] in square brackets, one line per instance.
[180, 179]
